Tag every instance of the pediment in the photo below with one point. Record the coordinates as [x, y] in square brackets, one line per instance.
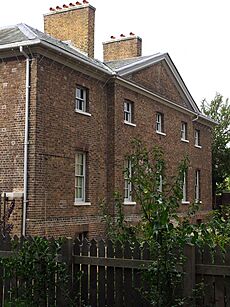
[159, 75]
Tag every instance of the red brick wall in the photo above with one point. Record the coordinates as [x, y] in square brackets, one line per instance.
[57, 132]
[159, 80]
[12, 123]
[174, 148]
[60, 133]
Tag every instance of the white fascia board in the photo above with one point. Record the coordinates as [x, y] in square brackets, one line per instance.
[18, 44]
[129, 68]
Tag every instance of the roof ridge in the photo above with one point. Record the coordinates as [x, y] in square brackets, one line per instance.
[27, 31]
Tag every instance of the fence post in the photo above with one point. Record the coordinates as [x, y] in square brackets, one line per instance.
[189, 269]
[67, 257]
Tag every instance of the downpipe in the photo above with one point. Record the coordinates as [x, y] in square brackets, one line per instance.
[26, 141]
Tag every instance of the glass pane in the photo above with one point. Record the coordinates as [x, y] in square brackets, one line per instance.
[78, 93]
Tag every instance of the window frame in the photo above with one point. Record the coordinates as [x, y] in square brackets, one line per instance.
[160, 123]
[160, 186]
[83, 100]
[184, 131]
[197, 138]
[128, 110]
[127, 183]
[197, 186]
[83, 176]
[185, 189]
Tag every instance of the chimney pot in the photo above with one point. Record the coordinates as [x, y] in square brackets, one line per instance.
[71, 4]
[131, 33]
[112, 37]
[58, 8]
[122, 35]
[85, 2]
[78, 3]
[65, 6]
[52, 9]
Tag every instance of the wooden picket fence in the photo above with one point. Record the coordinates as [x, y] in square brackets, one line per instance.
[111, 275]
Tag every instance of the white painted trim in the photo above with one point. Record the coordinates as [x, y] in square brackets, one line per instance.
[161, 133]
[198, 146]
[82, 203]
[130, 124]
[18, 44]
[83, 113]
[185, 202]
[129, 203]
[184, 140]
[129, 68]
[14, 195]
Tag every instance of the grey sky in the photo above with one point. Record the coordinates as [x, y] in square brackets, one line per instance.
[195, 33]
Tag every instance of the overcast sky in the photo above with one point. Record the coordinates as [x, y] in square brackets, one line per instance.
[195, 33]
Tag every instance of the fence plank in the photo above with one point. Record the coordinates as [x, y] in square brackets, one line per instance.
[110, 276]
[227, 278]
[77, 273]
[128, 291]
[6, 243]
[137, 275]
[119, 284]
[209, 285]
[146, 285]
[93, 276]
[219, 280]
[85, 275]
[189, 277]
[101, 275]
[199, 278]
[67, 254]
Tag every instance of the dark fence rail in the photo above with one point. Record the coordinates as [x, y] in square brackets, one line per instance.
[111, 274]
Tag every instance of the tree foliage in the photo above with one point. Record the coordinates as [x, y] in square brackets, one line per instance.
[162, 227]
[219, 110]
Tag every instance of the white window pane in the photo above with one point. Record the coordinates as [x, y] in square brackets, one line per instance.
[81, 99]
[80, 176]
[128, 111]
[127, 183]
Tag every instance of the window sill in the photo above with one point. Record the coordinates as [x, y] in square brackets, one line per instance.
[198, 146]
[129, 203]
[185, 202]
[161, 133]
[130, 124]
[83, 113]
[82, 203]
[185, 141]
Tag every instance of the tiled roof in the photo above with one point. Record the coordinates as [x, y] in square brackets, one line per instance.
[11, 35]
[24, 33]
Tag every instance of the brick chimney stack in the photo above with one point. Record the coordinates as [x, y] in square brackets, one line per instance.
[122, 48]
[75, 23]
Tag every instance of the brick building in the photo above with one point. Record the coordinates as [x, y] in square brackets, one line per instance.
[67, 120]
